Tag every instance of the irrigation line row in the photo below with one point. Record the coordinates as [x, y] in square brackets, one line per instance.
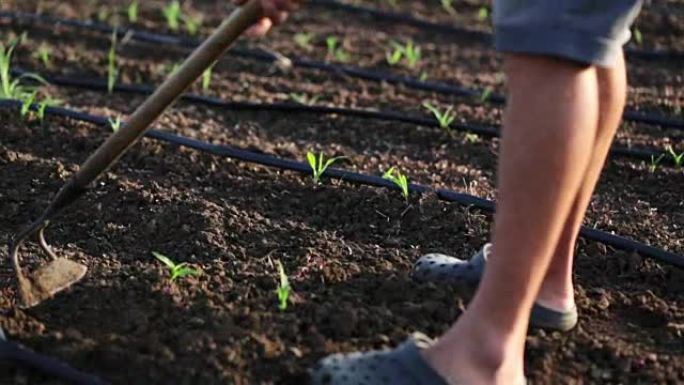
[356, 72]
[482, 36]
[479, 129]
[22, 355]
[609, 239]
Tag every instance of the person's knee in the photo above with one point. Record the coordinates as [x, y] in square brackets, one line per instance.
[612, 86]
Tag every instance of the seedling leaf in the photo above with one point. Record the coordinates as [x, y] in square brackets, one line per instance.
[284, 288]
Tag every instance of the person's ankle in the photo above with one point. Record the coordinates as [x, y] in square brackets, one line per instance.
[475, 355]
[560, 298]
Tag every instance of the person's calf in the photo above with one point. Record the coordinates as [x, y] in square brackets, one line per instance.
[557, 288]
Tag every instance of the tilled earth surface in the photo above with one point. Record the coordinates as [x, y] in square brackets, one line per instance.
[348, 249]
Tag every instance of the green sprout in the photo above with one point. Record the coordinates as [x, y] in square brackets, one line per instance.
[177, 270]
[392, 3]
[172, 13]
[638, 37]
[412, 54]
[27, 103]
[206, 77]
[102, 14]
[486, 94]
[483, 13]
[320, 164]
[43, 54]
[11, 88]
[677, 158]
[302, 98]
[448, 6]
[407, 51]
[398, 179]
[112, 71]
[303, 39]
[472, 138]
[192, 24]
[396, 55]
[655, 162]
[335, 50]
[284, 288]
[423, 76]
[133, 11]
[44, 104]
[172, 68]
[115, 123]
[445, 118]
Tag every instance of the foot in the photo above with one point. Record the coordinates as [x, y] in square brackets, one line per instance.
[409, 364]
[402, 366]
[547, 313]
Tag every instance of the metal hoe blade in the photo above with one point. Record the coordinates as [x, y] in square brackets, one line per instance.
[62, 273]
[48, 280]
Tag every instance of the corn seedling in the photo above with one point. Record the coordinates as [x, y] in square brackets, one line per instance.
[171, 68]
[302, 98]
[27, 103]
[172, 13]
[206, 77]
[412, 53]
[483, 14]
[303, 39]
[409, 52]
[398, 179]
[486, 93]
[392, 3]
[335, 50]
[102, 14]
[284, 288]
[319, 165]
[448, 6]
[43, 54]
[395, 56]
[11, 88]
[423, 76]
[445, 118]
[112, 71]
[115, 123]
[678, 159]
[472, 138]
[638, 37]
[44, 104]
[192, 24]
[655, 162]
[176, 270]
[133, 11]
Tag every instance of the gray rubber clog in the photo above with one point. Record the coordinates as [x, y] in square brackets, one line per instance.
[442, 268]
[401, 366]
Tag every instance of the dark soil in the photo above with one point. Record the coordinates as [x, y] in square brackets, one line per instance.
[348, 249]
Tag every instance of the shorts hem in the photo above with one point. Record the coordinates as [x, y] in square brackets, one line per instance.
[567, 44]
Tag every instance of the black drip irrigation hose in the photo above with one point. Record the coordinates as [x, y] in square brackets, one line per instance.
[357, 72]
[485, 37]
[483, 130]
[615, 241]
[11, 351]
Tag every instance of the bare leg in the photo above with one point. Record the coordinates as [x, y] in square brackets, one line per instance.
[549, 132]
[557, 289]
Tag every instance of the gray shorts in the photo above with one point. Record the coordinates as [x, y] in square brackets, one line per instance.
[587, 31]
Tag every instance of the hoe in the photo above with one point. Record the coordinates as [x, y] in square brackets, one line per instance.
[61, 273]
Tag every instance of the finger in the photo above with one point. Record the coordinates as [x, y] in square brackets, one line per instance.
[280, 18]
[260, 28]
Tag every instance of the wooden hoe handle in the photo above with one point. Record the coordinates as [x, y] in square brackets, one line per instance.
[138, 123]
